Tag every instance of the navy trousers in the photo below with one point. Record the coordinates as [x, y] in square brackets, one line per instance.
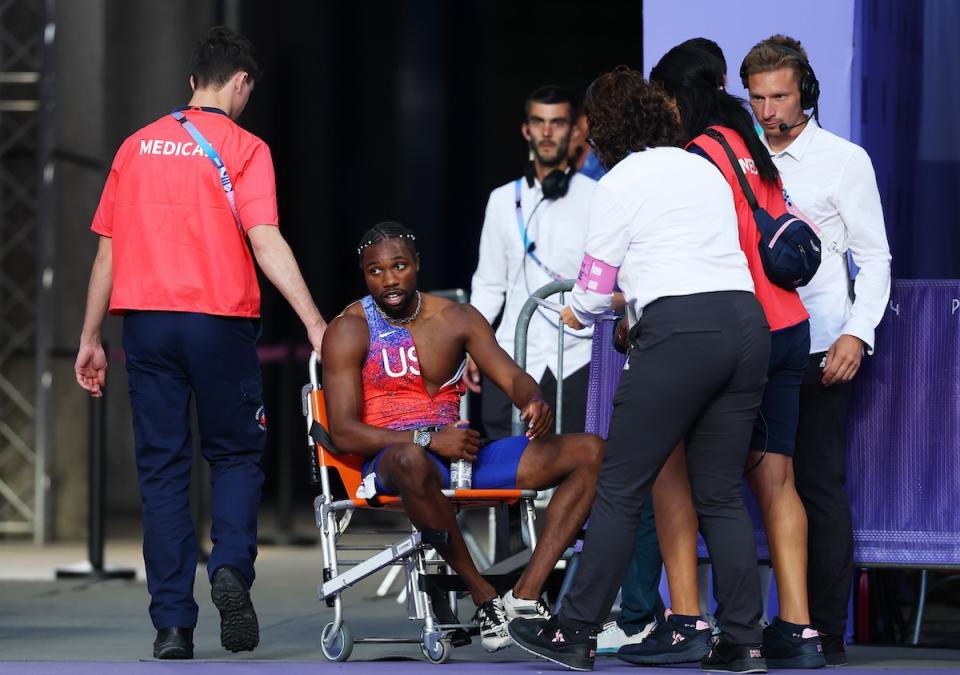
[172, 356]
[640, 589]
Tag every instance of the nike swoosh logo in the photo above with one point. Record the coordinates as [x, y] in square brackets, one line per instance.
[389, 332]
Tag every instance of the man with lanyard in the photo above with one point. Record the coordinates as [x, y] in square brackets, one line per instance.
[829, 182]
[534, 233]
[183, 196]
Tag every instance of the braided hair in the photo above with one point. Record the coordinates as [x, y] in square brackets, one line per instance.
[388, 230]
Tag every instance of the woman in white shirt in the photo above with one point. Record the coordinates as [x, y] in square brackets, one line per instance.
[663, 228]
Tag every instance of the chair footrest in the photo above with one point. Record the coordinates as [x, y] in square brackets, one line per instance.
[338, 583]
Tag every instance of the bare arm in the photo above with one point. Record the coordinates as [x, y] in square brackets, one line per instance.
[344, 351]
[498, 366]
[275, 258]
[619, 302]
[91, 363]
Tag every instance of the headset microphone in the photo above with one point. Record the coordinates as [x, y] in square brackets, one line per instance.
[784, 127]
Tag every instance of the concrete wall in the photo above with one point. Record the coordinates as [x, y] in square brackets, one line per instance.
[121, 64]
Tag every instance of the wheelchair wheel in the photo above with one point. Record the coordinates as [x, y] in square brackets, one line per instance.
[342, 645]
[440, 652]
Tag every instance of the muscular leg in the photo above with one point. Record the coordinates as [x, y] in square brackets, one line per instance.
[786, 523]
[677, 532]
[573, 461]
[405, 469]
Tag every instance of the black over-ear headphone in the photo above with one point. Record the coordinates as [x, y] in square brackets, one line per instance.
[556, 183]
[809, 84]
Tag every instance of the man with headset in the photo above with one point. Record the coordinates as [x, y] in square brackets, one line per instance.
[534, 233]
[830, 183]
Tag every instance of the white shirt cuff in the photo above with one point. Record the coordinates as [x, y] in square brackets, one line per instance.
[862, 329]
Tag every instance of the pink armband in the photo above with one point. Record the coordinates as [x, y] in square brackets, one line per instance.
[596, 276]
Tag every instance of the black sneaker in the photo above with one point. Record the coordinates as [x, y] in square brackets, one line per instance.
[492, 620]
[173, 643]
[834, 651]
[729, 657]
[553, 641]
[789, 645]
[679, 639]
[239, 630]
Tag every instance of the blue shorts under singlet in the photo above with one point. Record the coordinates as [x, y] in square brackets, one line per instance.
[496, 466]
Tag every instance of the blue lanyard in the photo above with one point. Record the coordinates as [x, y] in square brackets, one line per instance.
[527, 244]
[217, 163]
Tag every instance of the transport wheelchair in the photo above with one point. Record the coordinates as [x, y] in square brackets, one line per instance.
[431, 586]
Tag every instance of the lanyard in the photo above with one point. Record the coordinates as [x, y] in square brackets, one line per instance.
[217, 163]
[529, 246]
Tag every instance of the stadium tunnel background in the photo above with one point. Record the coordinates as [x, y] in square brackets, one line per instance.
[405, 111]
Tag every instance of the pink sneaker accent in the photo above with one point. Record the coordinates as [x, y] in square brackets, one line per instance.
[809, 633]
[702, 625]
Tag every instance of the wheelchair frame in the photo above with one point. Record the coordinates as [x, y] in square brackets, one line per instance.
[424, 588]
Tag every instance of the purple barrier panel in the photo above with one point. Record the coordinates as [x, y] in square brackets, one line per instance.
[606, 364]
[903, 439]
[903, 449]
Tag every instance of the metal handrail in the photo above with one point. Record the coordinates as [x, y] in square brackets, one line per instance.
[520, 345]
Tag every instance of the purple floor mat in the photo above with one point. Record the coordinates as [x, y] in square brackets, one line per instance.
[361, 667]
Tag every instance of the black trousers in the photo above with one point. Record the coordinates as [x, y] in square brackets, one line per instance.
[820, 472]
[696, 372]
[497, 407]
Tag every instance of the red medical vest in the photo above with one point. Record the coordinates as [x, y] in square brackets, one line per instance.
[176, 245]
[782, 308]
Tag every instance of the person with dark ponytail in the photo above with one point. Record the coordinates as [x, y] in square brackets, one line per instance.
[663, 228]
[694, 78]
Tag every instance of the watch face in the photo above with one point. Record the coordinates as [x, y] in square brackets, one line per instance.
[423, 439]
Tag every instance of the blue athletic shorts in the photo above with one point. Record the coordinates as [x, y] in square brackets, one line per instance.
[495, 469]
[776, 427]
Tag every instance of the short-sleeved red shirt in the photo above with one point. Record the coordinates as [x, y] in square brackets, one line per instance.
[782, 308]
[176, 246]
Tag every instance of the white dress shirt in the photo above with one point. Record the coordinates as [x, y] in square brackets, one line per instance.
[830, 182]
[505, 274]
[665, 217]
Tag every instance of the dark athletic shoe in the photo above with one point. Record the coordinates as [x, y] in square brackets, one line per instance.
[239, 630]
[728, 657]
[551, 640]
[834, 652]
[679, 639]
[173, 643]
[788, 645]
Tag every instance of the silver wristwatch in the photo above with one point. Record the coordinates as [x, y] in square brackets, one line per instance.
[422, 438]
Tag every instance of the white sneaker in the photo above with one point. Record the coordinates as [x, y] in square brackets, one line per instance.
[518, 608]
[492, 620]
[611, 638]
